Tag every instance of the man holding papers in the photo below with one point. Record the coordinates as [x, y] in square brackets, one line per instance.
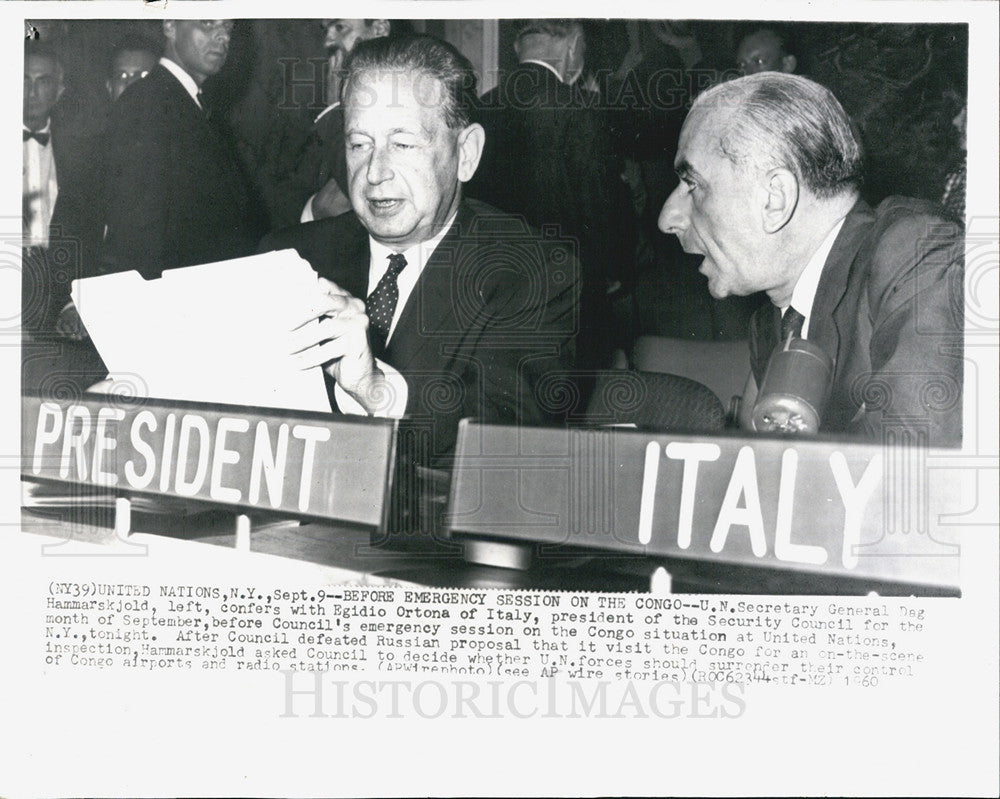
[465, 308]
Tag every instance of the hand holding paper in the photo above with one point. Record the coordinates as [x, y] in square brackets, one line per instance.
[338, 342]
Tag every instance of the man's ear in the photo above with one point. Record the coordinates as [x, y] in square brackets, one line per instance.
[781, 189]
[788, 63]
[380, 27]
[470, 150]
[169, 29]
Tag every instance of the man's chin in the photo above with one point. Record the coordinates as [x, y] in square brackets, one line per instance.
[389, 232]
[717, 289]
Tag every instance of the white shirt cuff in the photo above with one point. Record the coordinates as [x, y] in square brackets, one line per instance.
[396, 395]
[307, 212]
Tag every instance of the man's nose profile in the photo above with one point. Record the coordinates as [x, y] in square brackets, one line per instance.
[672, 218]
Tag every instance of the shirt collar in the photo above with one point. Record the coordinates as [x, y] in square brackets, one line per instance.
[417, 255]
[189, 84]
[548, 66]
[804, 293]
[48, 124]
[326, 111]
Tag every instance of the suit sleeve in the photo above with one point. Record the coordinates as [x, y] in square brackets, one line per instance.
[915, 299]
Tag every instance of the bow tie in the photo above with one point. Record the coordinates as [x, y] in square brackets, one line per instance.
[38, 136]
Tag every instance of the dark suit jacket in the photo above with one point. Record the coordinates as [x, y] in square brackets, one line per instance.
[888, 311]
[549, 157]
[493, 312]
[175, 194]
[321, 157]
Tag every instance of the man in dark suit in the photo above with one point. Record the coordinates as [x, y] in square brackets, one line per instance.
[549, 158]
[770, 171]
[467, 309]
[60, 228]
[174, 191]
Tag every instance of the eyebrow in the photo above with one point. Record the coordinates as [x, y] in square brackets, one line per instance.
[684, 169]
[427, 133]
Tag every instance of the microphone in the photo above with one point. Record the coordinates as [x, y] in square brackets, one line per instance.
[795, 389]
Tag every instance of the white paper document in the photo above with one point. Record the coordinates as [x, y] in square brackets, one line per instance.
[211, 333]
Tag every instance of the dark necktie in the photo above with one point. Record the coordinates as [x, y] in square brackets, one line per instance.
[38, 136]
[381, 304]
[772, 331]
[791, 324]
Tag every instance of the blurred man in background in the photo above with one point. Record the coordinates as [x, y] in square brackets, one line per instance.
[317, 185]
[175, 194]
[765, 50]
[549, 158]
[59, 172]
[131, 60]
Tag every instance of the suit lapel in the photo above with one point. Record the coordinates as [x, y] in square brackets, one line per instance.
[348, 255]
[431, 305]
[831, 319]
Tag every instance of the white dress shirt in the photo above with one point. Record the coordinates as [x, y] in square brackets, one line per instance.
[416, 257]
[804, 293]
[40, 187]
[545, 64]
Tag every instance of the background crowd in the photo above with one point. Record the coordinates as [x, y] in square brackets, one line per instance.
[263, 151]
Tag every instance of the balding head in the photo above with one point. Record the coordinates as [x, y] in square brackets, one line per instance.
[773, 119]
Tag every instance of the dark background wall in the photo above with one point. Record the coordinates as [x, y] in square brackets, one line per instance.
[901, 83]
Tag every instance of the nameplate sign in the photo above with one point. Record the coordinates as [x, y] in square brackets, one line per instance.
[305, 464]
[852, 509]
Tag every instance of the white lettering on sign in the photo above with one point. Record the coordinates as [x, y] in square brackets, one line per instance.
[168, 449]
[136, 480]
[225, 456]
[74, 441]
[855, 498]
[43, 434]
[104, 444]
[741, 505]
[784, 549]
[184, 487]
[650, 471]
[310, 435]
[742, 483]
[268, 463]
[692, 454]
